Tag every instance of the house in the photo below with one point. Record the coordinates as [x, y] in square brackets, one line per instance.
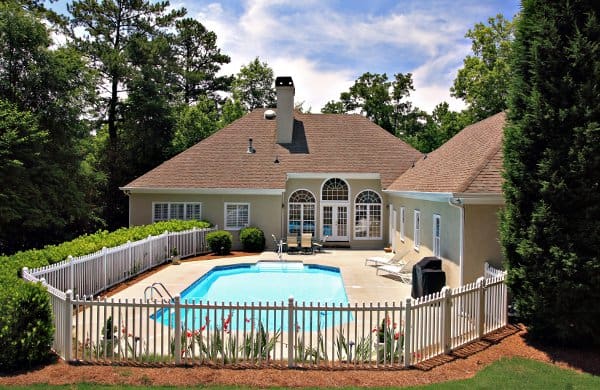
[283, 171]
[339, 176]
[447, 204]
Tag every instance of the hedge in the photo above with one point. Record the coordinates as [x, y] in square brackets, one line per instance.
[26, 328]
[219, 242]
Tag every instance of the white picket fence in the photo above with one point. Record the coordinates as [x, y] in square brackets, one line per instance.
[98, 271]
[271, 334]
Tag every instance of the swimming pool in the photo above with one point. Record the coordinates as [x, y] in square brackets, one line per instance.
[267, 282]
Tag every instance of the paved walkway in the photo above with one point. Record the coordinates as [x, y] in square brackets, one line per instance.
[362, 283]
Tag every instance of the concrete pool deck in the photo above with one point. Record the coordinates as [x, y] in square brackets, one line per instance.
[361, 282]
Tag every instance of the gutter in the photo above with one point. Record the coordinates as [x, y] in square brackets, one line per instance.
[459, 204]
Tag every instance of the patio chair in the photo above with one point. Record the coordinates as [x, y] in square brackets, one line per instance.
[391, 258]
[292, 244]
[402, 272]
[306, 243]
[318, 245]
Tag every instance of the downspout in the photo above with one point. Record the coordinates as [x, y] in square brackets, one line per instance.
[458, 203]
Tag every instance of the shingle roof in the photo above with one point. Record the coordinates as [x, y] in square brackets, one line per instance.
[322, 143]
[470, 162]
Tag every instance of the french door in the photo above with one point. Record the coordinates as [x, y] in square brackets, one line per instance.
[334, 221]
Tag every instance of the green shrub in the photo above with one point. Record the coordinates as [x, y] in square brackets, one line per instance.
[219, 242]
[253, 239]
[26, 328]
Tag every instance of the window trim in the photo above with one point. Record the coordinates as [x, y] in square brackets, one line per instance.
[235, 228]
[417, 230]
[437, 217]
[402, 222]
[169, 204]
[368, 214]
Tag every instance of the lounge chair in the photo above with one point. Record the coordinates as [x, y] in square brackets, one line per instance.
[306, 243]
[292, 244]
[392, 258]
[318, 245]
[402, 272]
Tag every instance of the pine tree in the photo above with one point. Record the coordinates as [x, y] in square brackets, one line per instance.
[549, 228]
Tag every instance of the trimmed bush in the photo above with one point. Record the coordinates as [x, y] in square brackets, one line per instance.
[253, 239]
[219, 242]
[26, 328]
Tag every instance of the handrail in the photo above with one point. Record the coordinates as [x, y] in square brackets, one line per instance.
[153, 287]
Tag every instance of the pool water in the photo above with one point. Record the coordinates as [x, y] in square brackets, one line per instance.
[268, 283]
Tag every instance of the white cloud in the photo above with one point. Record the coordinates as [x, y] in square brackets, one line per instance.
[326, 49]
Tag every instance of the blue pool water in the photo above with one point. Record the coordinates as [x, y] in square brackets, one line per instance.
[269, 283]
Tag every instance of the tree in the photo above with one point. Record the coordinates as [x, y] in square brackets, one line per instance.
[483, 80]
[382, 101]
[549, 228]
[199, 61]
[43, 92]
[232, 110]
[110, 28]
[442, 125]
[194, 124]
[253, 85]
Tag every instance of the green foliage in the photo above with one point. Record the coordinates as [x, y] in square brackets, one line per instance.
[483, 80]
[219, 242]
[44, 91]
[253, 85]
[253, 239]
[199, 60]
[194, 123]
[232, 110]
[549, 228]
[26, 328]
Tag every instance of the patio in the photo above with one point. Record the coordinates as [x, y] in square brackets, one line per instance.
[361, 282]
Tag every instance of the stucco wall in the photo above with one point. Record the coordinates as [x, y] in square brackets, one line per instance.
[450, 236]
[481, 240]
[265, 210]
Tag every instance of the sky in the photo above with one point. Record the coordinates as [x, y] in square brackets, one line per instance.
[326, 45]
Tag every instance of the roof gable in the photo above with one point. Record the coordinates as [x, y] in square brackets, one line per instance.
[470, 162]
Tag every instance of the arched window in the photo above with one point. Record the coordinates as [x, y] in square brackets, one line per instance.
[335, 189]
[301, 213]
[367, 216]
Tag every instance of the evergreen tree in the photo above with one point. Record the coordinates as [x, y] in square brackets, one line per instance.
[45, 182]
[112, 31]
[549, 228]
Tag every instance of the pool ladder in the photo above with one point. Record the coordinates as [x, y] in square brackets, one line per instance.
[157, 286]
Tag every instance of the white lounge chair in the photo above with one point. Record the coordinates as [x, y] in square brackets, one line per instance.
[402, 272]
[392, 258]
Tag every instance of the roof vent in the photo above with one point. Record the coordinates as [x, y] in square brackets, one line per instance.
[251, 149]
[270, 115]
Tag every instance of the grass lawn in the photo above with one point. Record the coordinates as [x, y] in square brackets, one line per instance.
[513, 373]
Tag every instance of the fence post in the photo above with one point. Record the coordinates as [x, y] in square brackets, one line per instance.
[71, 273]
[105, 266]
[166, 246]
[129, 258]
[67, 325]
[447, 319]
[480, 284]
[150, 241]
[177, 302]
[290, 330]
[504, 302]
[407, 330]
[194, 239]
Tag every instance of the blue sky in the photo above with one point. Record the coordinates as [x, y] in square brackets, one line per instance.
[326, 45]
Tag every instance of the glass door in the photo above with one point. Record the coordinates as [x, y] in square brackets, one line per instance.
[334, 222]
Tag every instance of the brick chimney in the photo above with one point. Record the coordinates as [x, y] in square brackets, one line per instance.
[284, 86]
